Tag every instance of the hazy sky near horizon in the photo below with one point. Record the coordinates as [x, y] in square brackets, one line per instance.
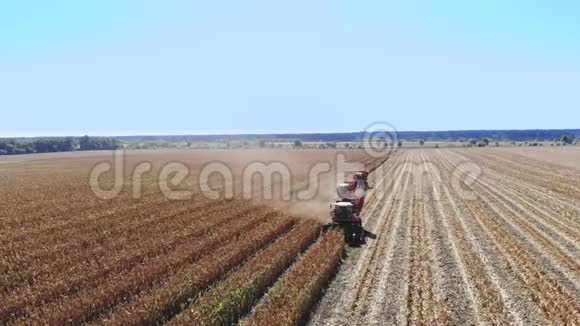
[114, 67]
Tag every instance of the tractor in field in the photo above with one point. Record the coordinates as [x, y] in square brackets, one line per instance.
[345, 212]
[363, 176]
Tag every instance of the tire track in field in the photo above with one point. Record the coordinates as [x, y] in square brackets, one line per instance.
[422, 306]
[341, 299]
[385, 299]
[369, 276]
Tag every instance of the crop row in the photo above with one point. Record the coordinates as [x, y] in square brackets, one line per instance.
[83, 254]
[290, 300]
[90, 299]
[226, 302]
[146, 250]
[168, 297]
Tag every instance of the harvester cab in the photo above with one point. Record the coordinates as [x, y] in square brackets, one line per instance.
[343, 211]
[345, 216]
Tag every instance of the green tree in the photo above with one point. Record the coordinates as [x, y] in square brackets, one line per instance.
[482, 143]
[568, 139]
[297, 143]
[87, 143]
[84, 143]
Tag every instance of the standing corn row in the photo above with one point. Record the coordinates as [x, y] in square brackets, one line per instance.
[290, 300]
[225, 303]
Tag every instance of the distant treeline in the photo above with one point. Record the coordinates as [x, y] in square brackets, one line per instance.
[86, 143]
[494, 135]
[460, 135]
[9, 146]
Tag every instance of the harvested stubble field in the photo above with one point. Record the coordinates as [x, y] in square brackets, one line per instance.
[500, 248]
[508, 254]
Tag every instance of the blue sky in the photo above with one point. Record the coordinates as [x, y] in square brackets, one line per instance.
[188, 67]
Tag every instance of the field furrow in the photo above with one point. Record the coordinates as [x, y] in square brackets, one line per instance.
[556, 256]
[565, 210]
[385, 301]
[520, 256]
[422, 305]
[568, 189]
[453, 284]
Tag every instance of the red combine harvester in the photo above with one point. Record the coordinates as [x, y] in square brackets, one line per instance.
[346, 211]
